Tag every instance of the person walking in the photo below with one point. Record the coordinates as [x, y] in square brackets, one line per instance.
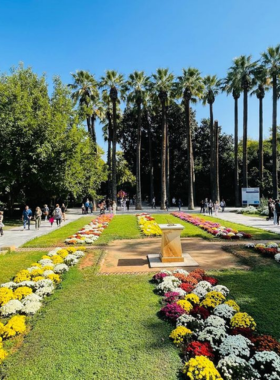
[166, 204]
[154, 203]
[26, 217]
[270, 211]
[210, 207]
[223, 205]
[173, 202]
[91, 206]
[63, 209]
[179, 204]
[202, 206]
[216, 208]
[83, 209]
[1, 223]
[114, 207]
[277, 208]
[46, 211]
[274, 213]
[37, 218]
[87, 206]
[127, 204]
[57, 215]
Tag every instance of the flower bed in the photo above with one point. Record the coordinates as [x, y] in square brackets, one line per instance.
[148, 225]
[211, 227]
[270, 249]
[217, 341]
[23, 296]
[91, 232]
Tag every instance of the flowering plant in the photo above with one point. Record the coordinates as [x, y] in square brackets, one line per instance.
[265, 343]
[172, 312]
[190, 322]
[201, 368]
[186, 305]
[237, 345]
[148, 225]
[242, 320]
[196, 348]
[267, 365]
[180, 335]
[171, 297]
[233, 367]
[187, 287]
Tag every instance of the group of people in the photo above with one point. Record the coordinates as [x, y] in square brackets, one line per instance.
[52, 214]
[207, 206]
[87, 207]
[274, 210]
[175, 203]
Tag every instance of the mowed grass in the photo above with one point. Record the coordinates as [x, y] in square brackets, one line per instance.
[11, 263]
[189, 231]
[97, 327]
[257, 293]
[121, 227]
[257, 233]
[58, 235]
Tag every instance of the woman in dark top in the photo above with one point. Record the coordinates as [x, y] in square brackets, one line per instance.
[63, 208]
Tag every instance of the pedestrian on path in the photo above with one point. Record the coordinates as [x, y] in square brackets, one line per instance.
[127, 204]
[87, 206]
[51, 220]
[63, 209]
[174, 202]
[210, 207]
[46, 211]
[166, 204]
[270, 211]
[83, 209]
[57, 215]
[202, 206]
[37, 218]
[274, 213]
[179, 204]
[114, 207]
[216, 208]
[91, 206]
[26, 217]
[223, 205]
[1, 223]
[154, 203]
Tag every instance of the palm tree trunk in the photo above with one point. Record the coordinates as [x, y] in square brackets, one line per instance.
[167, 165]
[261, 144]
[274, 139]
[138, 160]
[93, 134]
[163, 157]
[236, 168]
[151, 166]
[216, 167]
[190, 156]
[89, 126]
[245, 122]
[114, 151]
[212, 154]
[109, 156]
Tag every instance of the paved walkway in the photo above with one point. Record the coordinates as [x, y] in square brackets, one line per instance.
[17, 236]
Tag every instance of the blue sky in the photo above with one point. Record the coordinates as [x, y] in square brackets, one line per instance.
[59, 37]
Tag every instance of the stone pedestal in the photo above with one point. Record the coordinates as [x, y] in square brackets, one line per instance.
[171, 248]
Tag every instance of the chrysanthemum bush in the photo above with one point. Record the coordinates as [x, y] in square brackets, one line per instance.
[212, 228]
[23, 296]
[270, 249]
[91, 232]
[217, 340]
[148, 225]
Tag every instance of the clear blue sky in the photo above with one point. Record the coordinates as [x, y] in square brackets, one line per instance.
[60, 36]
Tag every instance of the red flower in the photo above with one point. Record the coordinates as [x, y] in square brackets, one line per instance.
[188, 288]
[196, 348]
[245, 331]
[265, 343]
[200, 310]
[213, 281]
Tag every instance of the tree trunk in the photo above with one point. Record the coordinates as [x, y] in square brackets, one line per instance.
[151, 166]
[167, 165]
[236, 168]
[114, 152]
[109, 156]
[138, 160]
[261, 144]
[93, 134]
[216, 167]
[245, 122]
[163, 156]
[89, 126]
[190, 156]
[274, 139]
[212, 155]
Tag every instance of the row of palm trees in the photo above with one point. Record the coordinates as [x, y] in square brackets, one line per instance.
[159, 91]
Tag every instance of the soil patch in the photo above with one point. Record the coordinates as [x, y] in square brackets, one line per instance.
[88, 261]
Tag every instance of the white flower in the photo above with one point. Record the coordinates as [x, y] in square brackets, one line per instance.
[45, 262]
[29, 284]
[205, 285]
[48, 265]
[264, 360]
[169, 284]
[45, 291]
[250, 245]
[52, 253]
[213, 335]
[237, 345]
[32, 269]
[181, 271]
[224, 311]
[31, 308]
[70, 260]
[10, 308]
[277, 257]
[43, 283]
[190, 322]
[214, 321]
[79, 254]
[181, 292]
[31, 298]
[10, 285]
[233, 367]
[48, 272]
[61, 268]
[272, 244]
[200, 292]
[221, 289]
[57, 249]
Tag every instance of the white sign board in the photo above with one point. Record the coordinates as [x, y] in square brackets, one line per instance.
[250, 196]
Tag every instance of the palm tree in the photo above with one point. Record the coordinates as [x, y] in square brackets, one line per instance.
[271, 61]
[162, 85]
[190, 87]
[137, 84]
[262, 81]
[85, 92]
[211, 90]
[113, 82]
[232, 85]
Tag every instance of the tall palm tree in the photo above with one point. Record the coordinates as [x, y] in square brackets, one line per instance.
[262, 82]
[113, 82]
[162, 85]
[271, 61]
[189, 86]
[232, 85]
[211, 90]
[137, 84]
[85, 93]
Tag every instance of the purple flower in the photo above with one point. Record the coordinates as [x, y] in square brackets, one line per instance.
[172, 312]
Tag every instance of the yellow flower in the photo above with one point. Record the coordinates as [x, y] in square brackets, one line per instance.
[186, 305]
[22, 292]
[55, 278]
[48, 267]
[233, 304]
[22, 275]
[16, 325]
[213, 299]
[38, 278]
[45, 257]
[62, 253]
[57, 259]
[6, 295]
[180, 334]
[36, 265]
[193, 298]
[243, 320]
[36, 272]
[201, 368]
[3, 354]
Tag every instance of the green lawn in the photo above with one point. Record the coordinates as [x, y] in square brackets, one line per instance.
[11, 263]
[121, 227]
[57, 237]
[257, 233]
[97, 327]
[189, 230]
